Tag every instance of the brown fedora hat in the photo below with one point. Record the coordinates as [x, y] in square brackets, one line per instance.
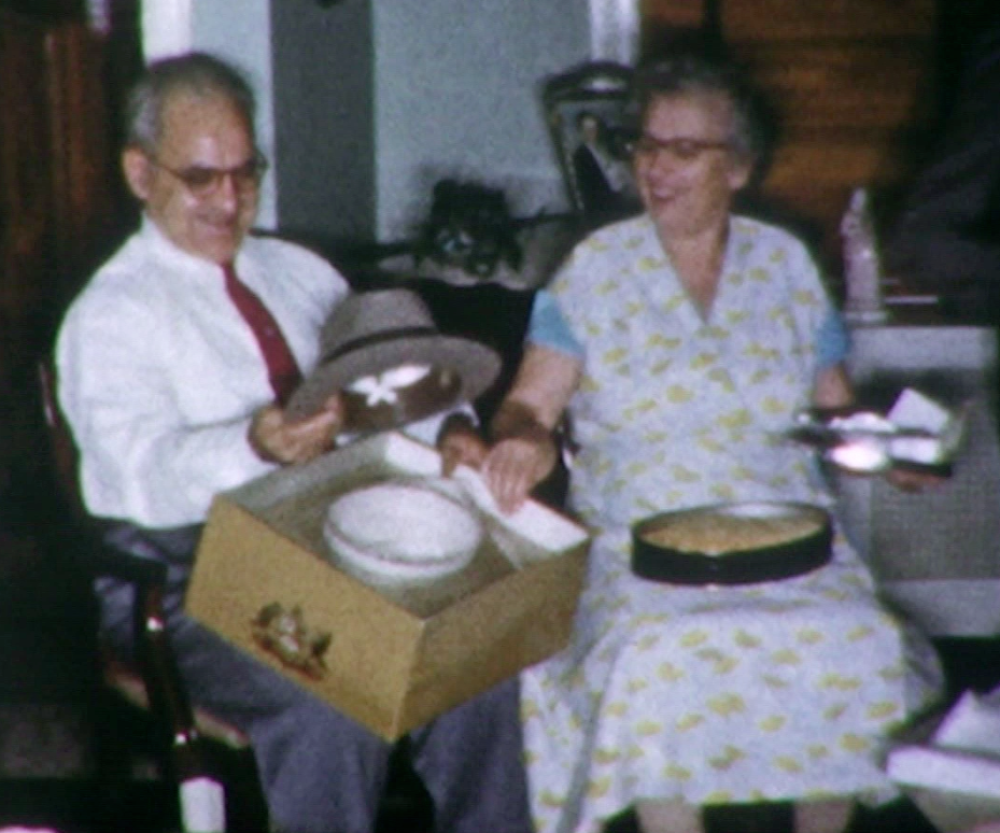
[373, 333]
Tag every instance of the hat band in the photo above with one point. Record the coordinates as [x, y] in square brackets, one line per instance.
[378, 338]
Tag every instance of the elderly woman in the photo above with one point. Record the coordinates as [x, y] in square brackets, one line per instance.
[693, 338]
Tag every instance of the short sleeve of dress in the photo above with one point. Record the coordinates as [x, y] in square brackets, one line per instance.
[547, 327]
[832, 341]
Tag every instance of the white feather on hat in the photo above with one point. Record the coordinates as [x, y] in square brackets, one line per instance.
[383, 339]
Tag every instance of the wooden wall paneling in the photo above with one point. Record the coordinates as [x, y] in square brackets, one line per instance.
[775, 20]
[26, 225]
[83, 175]
[812, 175]
[680, 13]
[855, 85]
[814, 171]
[25, 230]
[56, 211]
[865, 84]
[831, 157]
[661, 17]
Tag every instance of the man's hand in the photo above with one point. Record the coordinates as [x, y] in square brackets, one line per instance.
[278, 440]
[460, 444]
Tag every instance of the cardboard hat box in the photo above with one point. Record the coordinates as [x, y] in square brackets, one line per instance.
[391, 657]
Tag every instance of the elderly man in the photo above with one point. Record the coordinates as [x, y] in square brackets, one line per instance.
[174, 365]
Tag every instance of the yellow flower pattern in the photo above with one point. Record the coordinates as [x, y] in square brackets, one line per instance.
[689, 721]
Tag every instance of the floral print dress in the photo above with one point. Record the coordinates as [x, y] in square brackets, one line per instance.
[780, 690]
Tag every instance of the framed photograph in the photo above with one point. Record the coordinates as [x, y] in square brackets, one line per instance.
[587, 114]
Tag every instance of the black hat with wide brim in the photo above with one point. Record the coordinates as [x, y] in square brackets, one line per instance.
[370, 333]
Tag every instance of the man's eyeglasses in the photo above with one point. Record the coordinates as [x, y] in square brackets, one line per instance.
[681, 149]
[203, 182]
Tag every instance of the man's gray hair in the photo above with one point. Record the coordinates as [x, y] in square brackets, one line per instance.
[197, 73]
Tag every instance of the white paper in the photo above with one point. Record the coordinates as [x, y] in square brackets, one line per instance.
[972, 724]
[166, 28]
[926, 450]
[913, 410]
[534, 522]
[945, 769]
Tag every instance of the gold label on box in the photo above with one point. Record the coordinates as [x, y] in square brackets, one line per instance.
[285, 634]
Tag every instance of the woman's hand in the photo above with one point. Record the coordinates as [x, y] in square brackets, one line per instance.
[524, 450]
[276, 439]
[914, 482]
[513, 467]
[516, 465]
[833, 388]
[523, 454]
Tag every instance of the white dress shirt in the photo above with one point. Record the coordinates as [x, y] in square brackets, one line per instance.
[159, 375]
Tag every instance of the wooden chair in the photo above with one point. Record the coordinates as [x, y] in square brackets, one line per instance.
[151, 682]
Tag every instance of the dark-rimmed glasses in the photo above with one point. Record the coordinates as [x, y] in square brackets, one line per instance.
[203, 182]
[681, 149]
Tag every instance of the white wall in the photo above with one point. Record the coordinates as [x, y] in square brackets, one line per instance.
[457, 94]
[614, 30]
[323, 122]
[241, 32]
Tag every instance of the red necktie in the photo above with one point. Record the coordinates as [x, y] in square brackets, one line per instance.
[282, 369]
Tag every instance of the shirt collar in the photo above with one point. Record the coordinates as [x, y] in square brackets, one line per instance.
[166, 249]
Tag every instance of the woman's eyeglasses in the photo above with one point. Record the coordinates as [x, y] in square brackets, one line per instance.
[203, 182]
[681, 149]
